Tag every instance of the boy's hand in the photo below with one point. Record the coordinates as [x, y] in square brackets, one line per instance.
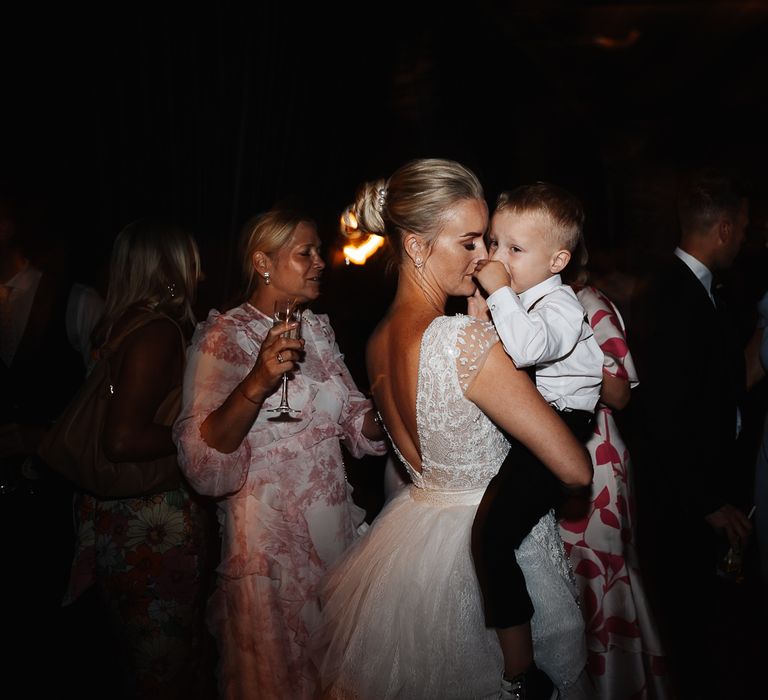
[477, 307]
[492, 275]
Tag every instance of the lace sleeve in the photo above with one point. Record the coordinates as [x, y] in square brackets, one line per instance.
[474, 340]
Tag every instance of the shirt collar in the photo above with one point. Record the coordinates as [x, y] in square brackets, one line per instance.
[530, 296]
[698, 268]
[24, 279]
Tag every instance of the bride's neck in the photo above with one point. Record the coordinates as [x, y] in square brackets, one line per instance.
[419, 298]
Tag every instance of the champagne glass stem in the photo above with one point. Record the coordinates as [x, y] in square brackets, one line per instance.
[284, 398]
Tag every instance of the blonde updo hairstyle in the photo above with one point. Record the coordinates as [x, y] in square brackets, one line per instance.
[415, 199]
[268, 232]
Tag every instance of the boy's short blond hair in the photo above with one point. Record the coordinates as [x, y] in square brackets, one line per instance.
[562, 209]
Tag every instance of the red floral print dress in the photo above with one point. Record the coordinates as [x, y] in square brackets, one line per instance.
[625, 656]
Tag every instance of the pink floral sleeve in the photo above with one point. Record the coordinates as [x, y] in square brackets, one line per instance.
[608, 327]
[216, 363]
[356, 405]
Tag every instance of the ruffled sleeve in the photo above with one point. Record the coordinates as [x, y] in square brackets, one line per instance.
[610, 332]
[218, 359]
[474, 340]
[356, 405]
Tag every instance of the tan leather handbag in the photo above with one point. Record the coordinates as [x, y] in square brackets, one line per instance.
[72, 447]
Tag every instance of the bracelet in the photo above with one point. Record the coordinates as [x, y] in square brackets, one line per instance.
[246, 397]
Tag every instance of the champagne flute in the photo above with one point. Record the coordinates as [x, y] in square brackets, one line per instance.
[286, 310]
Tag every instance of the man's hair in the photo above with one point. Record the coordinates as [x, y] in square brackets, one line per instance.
[704, 195]
[563, 210]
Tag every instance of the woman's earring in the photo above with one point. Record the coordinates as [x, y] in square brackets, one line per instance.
[266, 278]
[418, 262]
[171, 287]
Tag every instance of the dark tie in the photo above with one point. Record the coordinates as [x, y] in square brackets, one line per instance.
[717, 297]
[7, 340]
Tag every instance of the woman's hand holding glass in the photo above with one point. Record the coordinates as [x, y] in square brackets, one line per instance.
[287, 314]
[279, 352]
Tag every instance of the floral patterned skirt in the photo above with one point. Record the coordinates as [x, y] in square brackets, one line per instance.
[148, 558]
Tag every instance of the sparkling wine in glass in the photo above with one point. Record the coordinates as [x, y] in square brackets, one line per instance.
[286, 311]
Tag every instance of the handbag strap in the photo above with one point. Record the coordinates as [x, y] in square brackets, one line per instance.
[112, 344]
[110, 352]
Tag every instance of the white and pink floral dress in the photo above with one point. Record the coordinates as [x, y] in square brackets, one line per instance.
[625, 655]
[285, 511]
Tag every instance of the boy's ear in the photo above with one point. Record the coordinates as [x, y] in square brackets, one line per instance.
[559, 260]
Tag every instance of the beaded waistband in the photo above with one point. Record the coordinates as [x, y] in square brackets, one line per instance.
[467, 497]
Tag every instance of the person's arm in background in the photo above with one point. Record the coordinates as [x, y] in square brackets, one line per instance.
[362, 433]
[756, 352]
[84, 309]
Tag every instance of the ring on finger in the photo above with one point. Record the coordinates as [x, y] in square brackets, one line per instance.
[280, 358]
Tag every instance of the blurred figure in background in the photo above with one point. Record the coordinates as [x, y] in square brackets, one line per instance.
[148, 555]
[686, 421]
[45, 327]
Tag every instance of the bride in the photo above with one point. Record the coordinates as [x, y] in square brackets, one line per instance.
[402, 611]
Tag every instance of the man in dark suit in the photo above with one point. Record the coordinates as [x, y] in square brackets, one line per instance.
[40, 370]
[686, 422]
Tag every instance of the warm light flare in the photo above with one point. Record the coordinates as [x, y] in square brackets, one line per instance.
[361, 245]
[358, 254]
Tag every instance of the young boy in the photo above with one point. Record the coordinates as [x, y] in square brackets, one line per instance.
[533, 233]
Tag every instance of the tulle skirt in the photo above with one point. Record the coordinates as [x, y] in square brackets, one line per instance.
[402, 613]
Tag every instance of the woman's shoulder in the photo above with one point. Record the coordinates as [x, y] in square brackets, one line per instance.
[141, 332]
[139, 323]
[231, 334]
[319, 321]
[593, 299]
[462, 326]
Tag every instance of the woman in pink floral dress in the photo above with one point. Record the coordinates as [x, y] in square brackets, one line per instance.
[625, 657]
[285, 508]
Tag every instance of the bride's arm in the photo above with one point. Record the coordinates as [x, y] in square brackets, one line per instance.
[509, 398]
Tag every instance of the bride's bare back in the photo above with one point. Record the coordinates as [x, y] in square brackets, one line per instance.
[392, 359]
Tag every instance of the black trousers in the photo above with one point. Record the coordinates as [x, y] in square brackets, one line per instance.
[521, 493]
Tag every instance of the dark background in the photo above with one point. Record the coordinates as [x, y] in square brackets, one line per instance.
[208, 116]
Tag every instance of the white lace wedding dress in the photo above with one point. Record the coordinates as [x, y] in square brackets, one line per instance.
[402, 612]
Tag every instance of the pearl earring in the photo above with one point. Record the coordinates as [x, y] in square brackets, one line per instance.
[418, 262]
[266, 278]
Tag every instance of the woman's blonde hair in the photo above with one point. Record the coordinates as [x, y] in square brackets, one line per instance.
[267, 232]
[416, 198]
[154, 264]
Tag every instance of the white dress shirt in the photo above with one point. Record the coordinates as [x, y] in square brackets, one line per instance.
[22, 287]
[545, 327]
[84, 308]
[702, 272]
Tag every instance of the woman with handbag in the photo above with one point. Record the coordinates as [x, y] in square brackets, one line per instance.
[142, 532]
